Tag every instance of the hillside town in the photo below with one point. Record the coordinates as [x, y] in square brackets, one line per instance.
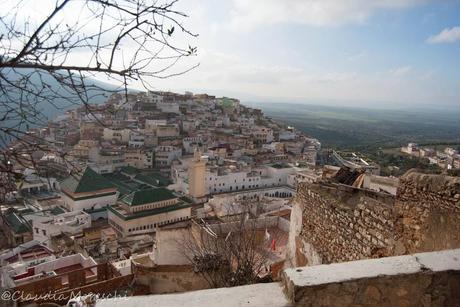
[449, 158]
[119, 181]
[106, 203]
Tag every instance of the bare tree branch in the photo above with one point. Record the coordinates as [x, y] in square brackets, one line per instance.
[53, 62]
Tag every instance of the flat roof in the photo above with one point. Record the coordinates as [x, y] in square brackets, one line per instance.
[118, 211]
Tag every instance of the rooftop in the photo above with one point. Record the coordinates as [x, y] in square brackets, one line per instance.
[148, 196]
[89, 181]
[17, 224]
[121, 213]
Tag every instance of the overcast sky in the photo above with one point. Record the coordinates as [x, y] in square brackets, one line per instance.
[368, 52]
[388, 51]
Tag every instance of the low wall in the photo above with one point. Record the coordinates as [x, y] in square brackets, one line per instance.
[425, 279]
[169, 278]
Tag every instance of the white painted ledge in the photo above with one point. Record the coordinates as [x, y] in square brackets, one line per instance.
[270, 294]
[372, 268]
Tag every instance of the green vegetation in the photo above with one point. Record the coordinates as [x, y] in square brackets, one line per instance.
[396, 164]
[367, 129]
[377, 134]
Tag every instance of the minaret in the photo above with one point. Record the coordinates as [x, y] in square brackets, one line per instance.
[196, 176]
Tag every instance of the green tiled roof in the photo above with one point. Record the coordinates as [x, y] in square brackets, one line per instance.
[152, 179]
[89, 181]
[147, 179]
[148, 196]
[129, 170]
[17, 224]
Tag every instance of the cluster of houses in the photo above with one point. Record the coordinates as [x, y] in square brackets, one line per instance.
[119, 176]
[447, 159]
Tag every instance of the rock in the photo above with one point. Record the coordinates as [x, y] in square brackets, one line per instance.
[372, 293]
[403, 303]
[401, 292]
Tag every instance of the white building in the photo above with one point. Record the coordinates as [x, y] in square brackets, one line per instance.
[164, 155]
[136, 139]
[263, 177]
[14, 276]
[31, 183]
[139, 158]
[47, 224]
[450, 151]
[88, 191]
[262, 134]
[190, 144]
[168, 107]
[118, 135]
[286, 135]
[142, 211]
[151, 124]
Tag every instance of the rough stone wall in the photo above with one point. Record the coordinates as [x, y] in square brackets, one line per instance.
[404, 291]
[427, 213]
[338, 223]
[341, 223]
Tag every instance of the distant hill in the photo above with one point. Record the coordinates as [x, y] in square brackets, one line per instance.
[48, 110]
[361, 128]
[60, 105]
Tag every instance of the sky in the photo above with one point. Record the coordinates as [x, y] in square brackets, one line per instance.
[355, 52]
[344, 52]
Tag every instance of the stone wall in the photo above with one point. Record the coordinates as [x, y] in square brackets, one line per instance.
[427, 213]
[334, 222]
[426, 279]
[342, 223]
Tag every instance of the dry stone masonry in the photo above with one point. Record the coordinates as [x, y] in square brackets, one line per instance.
[342, 223]
[428, 213]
